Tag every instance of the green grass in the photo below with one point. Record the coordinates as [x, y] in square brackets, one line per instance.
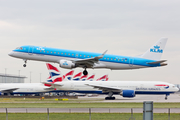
[86, 105]
[84, 116]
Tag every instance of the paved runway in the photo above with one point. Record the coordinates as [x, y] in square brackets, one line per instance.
[139, 98]
[85, 110]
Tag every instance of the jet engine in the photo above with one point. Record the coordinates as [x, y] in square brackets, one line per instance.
[66, 64]
[128, 93]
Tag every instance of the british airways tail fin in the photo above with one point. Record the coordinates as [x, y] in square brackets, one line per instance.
[155, 52]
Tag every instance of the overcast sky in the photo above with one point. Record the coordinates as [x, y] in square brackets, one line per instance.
[126, 27]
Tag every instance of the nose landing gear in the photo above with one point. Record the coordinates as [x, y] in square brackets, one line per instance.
[166, 97]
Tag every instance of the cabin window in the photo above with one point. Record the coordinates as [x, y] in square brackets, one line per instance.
[58, 52]
[118, 59]
[108, 58]
[40, 50]
[122, 60]
[69, 54]
[65, 53]
[72, 54]
[88, 56]
[54, 52]
[111, 59]
[84, 55]
[47, 51]
[114, 59]
[44, 51]
[51, 51]
[80, 55]
[61, 53]
[104, 58]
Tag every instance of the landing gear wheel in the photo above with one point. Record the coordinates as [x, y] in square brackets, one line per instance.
[25, 61]
[110, 98]
[166, 98]
[85, 72]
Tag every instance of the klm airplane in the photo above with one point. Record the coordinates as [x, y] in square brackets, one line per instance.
[71, 59]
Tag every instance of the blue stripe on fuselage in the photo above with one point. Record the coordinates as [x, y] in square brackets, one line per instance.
[84, 55]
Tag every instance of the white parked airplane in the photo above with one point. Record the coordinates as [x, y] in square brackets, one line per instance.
[24, 88]
[123, 88]
[71, 59]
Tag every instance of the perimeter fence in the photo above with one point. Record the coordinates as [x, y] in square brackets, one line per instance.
[86, 113]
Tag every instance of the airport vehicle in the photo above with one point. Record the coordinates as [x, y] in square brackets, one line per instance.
[71, 59]
[24, 88]
[123, 88]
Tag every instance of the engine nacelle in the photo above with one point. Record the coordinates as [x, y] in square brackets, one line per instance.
[66, 64]
[128, 93]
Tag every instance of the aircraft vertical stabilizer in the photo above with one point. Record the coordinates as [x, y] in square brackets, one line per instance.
[155, 52]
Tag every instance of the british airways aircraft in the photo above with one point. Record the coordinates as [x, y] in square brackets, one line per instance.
[71, 59]
[110, 88]
[123, 88]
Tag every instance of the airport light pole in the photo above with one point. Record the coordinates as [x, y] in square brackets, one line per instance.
[30, 77]
[40, 77]
[19, 73]
[5, 74]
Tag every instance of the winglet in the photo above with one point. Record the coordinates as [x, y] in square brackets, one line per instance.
[102, 55]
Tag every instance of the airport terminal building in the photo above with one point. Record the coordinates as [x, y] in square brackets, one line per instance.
[6, 78]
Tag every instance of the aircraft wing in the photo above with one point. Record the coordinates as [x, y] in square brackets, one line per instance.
[10, 90]
[89, 62]
[105, 88]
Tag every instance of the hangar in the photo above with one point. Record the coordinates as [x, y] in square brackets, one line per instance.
[6, 78]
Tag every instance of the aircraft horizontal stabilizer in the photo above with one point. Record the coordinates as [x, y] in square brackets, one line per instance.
[157, 62]
[52, 84]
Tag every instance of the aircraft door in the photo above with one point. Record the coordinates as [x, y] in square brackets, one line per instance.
[72, 86]
[131, 60]
[30, 50]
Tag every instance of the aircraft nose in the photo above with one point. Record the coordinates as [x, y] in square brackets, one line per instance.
[177, 89]
[11, 53]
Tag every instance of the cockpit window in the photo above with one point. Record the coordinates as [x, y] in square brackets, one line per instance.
[19, 48]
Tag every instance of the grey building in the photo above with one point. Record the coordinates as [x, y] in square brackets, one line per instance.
[6, 78]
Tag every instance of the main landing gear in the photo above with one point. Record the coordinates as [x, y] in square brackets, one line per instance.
[85, 72]
[25, 62]
[110, 96]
